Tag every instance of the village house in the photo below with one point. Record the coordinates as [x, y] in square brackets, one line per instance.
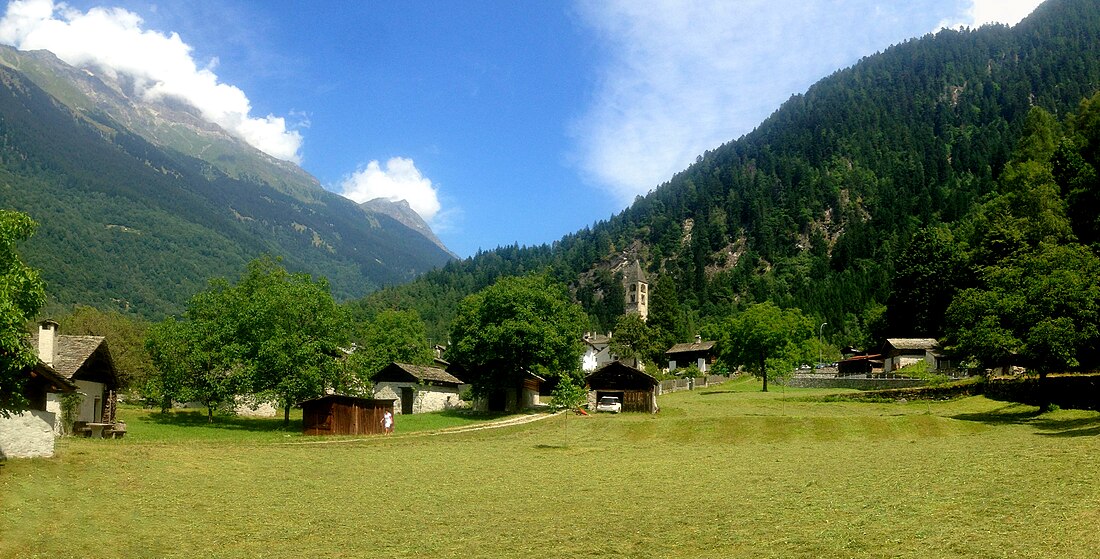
[419, 388]
[86, 362]
[899, 352]
[634, 388]
[30, 434]
[597, 351]
[698, 353]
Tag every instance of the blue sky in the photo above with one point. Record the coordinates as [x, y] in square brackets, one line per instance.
[500, 121]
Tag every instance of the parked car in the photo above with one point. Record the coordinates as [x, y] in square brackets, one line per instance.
[609, 404]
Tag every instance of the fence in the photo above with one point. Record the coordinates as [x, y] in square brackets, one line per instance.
[678, 384]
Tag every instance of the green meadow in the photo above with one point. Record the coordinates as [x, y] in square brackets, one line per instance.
[720, 472]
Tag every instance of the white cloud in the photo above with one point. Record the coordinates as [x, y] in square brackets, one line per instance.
[400, 180]
[161, 65]
[682, 77]
[981, 12]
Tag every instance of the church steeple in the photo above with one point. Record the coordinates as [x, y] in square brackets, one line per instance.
[637, 291]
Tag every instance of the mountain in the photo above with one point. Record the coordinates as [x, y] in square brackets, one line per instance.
[403, 212]
[813, 208]
[140, 203]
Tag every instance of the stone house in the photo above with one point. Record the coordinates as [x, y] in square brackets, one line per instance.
[86, 362]
[899, 352]
[419, 388]
[699, 353]
[30, 434]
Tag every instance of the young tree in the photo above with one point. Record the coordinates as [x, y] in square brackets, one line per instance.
[517, 324]
[22, 293]
[765, 339]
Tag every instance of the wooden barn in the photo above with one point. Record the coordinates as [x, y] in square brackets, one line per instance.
[634, 388]
[344, 415]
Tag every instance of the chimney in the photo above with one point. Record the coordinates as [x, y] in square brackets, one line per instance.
[47, 341]
[698, 339]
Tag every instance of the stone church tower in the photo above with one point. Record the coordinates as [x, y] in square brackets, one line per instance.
[637, 291]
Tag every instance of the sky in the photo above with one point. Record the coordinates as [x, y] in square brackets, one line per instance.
[499, 121]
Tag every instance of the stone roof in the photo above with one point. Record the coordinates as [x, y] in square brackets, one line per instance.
[691, 347]
[71, 352]
[421, 373]
[913, 343]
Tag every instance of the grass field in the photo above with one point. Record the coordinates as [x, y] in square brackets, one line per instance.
[719, 472]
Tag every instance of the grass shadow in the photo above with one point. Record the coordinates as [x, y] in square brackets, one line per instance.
[713, 392]
[184, 418]
[1051, 426]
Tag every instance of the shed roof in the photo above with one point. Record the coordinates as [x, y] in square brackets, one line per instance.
[398, 372]
[55, 382]
[912, 343]
[691, 347]
[619, 374]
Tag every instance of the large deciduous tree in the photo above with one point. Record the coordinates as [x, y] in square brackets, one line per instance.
[273, 334]
[518, 324]
[22, 294]
[765, 339]
[632, 339]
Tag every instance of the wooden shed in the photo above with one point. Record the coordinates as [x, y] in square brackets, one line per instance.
[344, 415]
[634, 388]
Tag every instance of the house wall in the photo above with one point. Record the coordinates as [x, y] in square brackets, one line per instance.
[27, 435]
[427, 398]
[90, 411]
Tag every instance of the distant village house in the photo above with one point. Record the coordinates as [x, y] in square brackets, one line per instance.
[699, 353]
[418, 388]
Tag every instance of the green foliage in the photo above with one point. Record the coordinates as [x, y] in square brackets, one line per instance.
[272, 334]
[766, 340]
[569, 393]
[70, 410]
[518, 324]
[632, 339]
[393, 336]
[22, 293]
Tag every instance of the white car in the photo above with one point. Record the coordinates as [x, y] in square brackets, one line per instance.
[609, 404]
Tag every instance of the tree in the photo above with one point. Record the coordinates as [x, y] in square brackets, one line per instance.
[1039, 309]
[393, 336]
[926, 276]
[274, 334]
[518, 324]
[765, 339]
[632, 339]
[22, 294]
[290, 334]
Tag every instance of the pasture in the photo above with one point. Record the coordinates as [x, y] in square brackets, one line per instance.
[720, 472]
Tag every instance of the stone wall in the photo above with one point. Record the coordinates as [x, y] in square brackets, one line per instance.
[830, 381]
[27, 435]
[426, 398]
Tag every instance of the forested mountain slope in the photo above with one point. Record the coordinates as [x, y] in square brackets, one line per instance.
[814, 207]
[129, 224]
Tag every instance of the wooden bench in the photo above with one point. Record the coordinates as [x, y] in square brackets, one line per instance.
[81, 429]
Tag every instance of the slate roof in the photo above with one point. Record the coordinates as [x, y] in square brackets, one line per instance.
[691, 347]
[419, 373]
[912, 343]
[71, 352]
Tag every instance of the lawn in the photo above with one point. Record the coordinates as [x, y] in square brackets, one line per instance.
[720, 472]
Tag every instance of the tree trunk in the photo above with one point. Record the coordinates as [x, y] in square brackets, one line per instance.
[764, 372]
[286, 417]
[209, 413]
[1044, 396]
